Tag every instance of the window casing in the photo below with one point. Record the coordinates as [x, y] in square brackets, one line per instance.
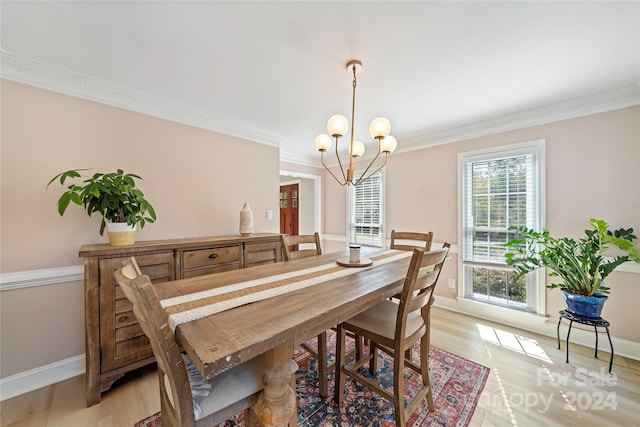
[365, 212]
[500, 188]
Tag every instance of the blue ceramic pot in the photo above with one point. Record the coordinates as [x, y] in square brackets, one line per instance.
[589, 306]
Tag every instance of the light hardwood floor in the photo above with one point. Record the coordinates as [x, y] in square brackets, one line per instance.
[529, 385]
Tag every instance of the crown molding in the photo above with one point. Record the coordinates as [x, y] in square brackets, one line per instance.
[34, 73]
[616, 99]
[300, 159]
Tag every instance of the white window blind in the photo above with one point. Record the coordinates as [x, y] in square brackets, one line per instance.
[365, 207]
[499, 189]
[500, 193]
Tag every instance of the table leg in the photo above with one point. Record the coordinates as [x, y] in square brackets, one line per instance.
[277, 403]
[568, 332]
[322, 360]
[558, 331]
[596, 353]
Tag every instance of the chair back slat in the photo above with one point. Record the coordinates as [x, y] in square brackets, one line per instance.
[424, 286]
[288, 242]
[410, 240]
[422, 277]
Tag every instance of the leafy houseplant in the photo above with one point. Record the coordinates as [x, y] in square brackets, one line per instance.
[112, 195]
[580, 263]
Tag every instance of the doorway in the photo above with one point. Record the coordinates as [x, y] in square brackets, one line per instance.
[309, 199]
[289, 209]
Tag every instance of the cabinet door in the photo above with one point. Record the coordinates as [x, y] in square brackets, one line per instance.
[261, 253]
[121, 338]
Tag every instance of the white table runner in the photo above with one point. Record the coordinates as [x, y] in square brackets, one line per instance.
[195, 306]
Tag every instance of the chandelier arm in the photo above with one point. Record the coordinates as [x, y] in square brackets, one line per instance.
[340, 163]
[362, 179]
[369, 167]
[371, 164]
[342, 183]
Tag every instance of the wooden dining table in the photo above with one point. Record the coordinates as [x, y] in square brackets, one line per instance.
[274, 322]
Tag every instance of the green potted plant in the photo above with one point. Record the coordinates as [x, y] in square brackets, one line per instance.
[579, 263]
[114, 196]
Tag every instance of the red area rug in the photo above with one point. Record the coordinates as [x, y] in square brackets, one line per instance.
[457, 384]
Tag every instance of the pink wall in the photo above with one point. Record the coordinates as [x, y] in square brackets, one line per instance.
[592, 171]
[196, 179]
[187, 176]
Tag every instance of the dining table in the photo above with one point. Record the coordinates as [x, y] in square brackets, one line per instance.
[225, 319]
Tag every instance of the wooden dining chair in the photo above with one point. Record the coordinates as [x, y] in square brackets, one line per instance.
[186, 399]
[410, 240]
[393, 328]
[290, 246]
[291, 251]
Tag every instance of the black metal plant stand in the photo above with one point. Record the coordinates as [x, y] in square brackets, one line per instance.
[596, 323]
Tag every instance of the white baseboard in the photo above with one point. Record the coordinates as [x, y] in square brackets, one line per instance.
[537, 324]
[43, 376]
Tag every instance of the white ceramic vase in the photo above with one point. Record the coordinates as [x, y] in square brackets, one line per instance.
[246, 221]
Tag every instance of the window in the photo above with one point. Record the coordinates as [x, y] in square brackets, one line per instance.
[500, 188]
[365, 209]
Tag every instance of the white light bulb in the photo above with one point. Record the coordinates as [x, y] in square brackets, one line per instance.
[388, 144]
[379, 128]
[337, 125]
[323, 142]
[357, 149]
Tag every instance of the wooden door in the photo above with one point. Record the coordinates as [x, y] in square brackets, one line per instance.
[289, 209]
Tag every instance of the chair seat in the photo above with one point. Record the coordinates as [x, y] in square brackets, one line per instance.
[381, 319]
[227, 388]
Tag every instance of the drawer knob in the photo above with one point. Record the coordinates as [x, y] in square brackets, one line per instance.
[213, 256]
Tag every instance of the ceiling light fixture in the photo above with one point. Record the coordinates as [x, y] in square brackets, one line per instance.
[338, 125]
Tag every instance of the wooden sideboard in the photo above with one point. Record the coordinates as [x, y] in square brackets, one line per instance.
[115, 343]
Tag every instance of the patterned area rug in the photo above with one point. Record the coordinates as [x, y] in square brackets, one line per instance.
[457, 384]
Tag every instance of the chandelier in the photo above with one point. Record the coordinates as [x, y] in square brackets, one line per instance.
[337, 127]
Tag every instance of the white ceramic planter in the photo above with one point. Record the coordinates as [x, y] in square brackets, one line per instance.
[121, 233]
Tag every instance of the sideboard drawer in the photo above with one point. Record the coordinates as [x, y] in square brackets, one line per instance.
[195, 272]
[211, 256]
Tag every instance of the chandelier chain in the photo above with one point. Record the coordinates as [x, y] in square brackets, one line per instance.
[353, 116]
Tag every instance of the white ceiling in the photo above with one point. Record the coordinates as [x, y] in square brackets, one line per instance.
[276, 69]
